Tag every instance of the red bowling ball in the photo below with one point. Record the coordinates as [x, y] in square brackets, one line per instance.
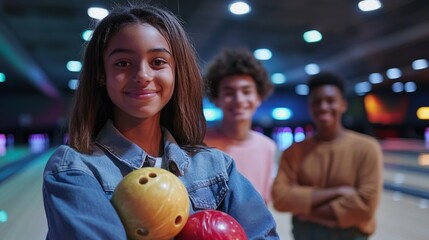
[211, 225]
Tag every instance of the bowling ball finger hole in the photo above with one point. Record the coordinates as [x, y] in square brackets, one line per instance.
[143, 180]
[143, 232]
[178, 220]
[152, 175]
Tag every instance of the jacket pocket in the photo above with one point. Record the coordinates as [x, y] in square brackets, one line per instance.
[209, 193]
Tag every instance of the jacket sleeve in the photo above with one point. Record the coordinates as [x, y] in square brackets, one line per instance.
[361, 207]
[247, 206]
[287, 195]
[77, 208]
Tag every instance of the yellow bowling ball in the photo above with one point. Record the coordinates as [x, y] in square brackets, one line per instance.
[152, 203]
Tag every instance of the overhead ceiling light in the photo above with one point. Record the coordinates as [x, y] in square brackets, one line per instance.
[278, 78]
[212, 114]
[420, 64]
[86, 35]
[410, 86]
[74, 66]
[262, 54]
[97, 12]
[362, 88]
[2, 77]
[312, 36]
[73, 84]
[312, 69]
[397, 87]
[301, 89]
[281, 113]
[369, 5]
[393, 73]
[375, 78]
[239, 8]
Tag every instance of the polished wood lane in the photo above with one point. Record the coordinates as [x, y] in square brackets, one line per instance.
[21, 200]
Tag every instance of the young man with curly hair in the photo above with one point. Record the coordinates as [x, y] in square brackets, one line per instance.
[237, 83]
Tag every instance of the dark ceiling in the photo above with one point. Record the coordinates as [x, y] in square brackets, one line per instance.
[37, 38]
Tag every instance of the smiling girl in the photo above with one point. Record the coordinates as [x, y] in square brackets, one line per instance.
[138, 104]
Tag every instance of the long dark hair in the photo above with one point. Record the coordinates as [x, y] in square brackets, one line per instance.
[182, 116]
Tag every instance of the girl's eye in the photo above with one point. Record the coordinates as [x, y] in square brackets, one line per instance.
[122, 64]
[159, 62]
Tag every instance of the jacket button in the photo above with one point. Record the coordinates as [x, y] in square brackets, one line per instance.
[173, 168]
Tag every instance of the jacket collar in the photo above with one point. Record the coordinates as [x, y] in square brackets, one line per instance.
[129, 153]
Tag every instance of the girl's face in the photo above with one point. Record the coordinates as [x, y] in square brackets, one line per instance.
[139, 72]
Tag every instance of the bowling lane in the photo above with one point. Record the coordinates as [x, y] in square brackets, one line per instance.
[11, 155]
[21, 206]
[399, 217]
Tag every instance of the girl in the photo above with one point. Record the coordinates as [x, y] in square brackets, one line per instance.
[139, 103]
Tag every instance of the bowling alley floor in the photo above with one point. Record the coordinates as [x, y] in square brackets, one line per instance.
[399, 217]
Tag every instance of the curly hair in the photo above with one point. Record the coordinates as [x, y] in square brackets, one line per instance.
[236, 62]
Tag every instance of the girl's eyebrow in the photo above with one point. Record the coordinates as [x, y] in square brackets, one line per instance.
[126, 50]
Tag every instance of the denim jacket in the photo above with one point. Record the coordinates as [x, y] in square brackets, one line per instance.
[77, 187]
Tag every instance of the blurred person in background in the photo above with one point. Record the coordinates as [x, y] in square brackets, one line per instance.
[237, 83]
[331, 182]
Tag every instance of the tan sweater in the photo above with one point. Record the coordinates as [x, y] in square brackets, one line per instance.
[353, 159]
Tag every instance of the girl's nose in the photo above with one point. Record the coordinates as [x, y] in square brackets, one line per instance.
[144, 73]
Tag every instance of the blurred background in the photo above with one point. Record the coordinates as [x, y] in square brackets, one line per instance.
[380, 46]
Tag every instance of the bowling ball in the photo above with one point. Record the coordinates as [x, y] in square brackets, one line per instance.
[152, 203]
[211, 225]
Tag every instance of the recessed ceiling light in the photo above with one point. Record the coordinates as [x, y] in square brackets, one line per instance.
[375, 78]
[362, 88]
[2, 77]
[262, 54]
[410, 86]
[420, 64]
[397, 87]
[278, 78]
[312, 69]
[281, 113]
[369, 5]
[239, 8]
[73, 84]
[97, 12]
[74, 66]
[312, 36]
[86, 35]
[393, 73]
[301, 89]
